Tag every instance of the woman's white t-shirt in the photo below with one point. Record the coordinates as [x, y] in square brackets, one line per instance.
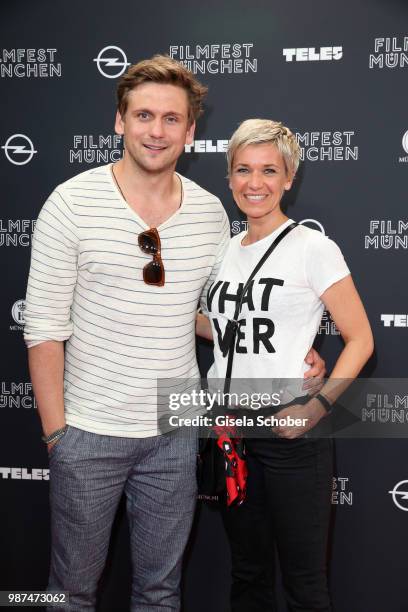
[282, 308]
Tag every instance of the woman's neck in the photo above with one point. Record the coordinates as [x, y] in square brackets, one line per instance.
[259, 229]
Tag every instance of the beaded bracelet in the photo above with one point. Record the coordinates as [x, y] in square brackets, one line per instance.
[56, 435]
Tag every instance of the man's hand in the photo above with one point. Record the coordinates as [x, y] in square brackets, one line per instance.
[50, 445]
[315, 374]
[203, 326]
[310, 413]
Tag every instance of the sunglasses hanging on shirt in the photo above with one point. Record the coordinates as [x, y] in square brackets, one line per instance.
[153, 272]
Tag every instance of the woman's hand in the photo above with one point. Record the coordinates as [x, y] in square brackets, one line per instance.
[309, 414]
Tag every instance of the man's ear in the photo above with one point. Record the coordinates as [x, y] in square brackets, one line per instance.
[190, 133]
[119, 124]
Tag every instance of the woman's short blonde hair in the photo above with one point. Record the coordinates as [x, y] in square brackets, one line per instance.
[266, 131]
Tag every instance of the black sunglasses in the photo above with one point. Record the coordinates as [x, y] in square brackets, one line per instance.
[153, 272]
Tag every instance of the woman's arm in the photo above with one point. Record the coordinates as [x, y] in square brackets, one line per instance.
[347, 311]
[203, 326]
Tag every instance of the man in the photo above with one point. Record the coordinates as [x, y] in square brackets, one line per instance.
[121, 255]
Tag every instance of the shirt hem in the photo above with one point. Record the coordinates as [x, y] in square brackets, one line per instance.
[121, 433]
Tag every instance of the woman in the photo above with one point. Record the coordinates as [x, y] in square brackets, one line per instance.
[290, 475]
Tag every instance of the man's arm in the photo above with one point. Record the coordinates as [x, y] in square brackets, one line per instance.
[203, 327]
[46, 363]
[223, 242]
[51, 284]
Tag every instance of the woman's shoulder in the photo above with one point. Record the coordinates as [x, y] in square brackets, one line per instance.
[310, 234]
[322, 259]
[314, 239]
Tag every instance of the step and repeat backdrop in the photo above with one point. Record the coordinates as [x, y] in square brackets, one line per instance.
[336, 74]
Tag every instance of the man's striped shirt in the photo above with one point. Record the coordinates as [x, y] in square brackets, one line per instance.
[86, 287]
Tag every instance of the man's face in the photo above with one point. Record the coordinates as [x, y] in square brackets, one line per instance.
[155, 126]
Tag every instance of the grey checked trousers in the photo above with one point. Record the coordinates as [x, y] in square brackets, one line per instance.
[88, 474]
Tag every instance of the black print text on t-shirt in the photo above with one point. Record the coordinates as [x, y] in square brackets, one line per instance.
[263, 327]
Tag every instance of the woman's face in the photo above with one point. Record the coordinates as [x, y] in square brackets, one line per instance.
[258, 180]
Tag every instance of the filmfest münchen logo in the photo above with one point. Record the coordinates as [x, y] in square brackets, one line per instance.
[19, 149]
[111, 62]
[219, 58]
[96, 148]
[29, 63]
[389, 52]
[341, 493]
[385, 408]
[399, 495]
[16, 232]
[327, 146]
[327, 325]
[15, 395]
[387, 234]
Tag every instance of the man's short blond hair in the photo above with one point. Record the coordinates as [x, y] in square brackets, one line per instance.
[162, 69]
[266, 131]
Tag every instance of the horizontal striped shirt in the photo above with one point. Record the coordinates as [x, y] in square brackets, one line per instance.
[86, 288]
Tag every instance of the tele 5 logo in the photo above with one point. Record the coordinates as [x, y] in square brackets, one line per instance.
[310, 54]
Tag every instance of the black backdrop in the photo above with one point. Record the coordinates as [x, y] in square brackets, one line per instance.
[336, 73]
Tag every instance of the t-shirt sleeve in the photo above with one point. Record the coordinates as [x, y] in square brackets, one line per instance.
[224, 238]
[53, 273]
[324, 263]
